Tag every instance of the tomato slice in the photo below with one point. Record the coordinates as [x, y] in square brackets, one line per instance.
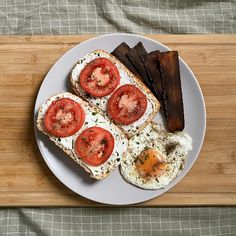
[94, 145]
[127, 104]
[64, 117]
[100, 77]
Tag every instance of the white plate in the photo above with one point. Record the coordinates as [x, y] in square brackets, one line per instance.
[113, 189]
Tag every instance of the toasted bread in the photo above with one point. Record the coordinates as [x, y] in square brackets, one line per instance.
[66, 144]
[127, 77]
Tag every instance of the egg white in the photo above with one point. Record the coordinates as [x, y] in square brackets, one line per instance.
[175, 146]
[126, 77]
[93, 118]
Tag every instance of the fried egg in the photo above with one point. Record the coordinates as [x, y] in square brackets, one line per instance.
[155, 157]
[93, 117]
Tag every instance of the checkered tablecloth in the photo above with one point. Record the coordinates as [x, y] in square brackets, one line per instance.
[118, 221]
[99, 17]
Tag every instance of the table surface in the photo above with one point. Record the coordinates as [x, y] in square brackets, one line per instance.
[25, 179]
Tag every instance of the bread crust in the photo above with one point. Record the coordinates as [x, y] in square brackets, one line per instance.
[134, 80]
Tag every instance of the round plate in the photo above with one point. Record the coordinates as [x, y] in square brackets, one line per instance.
[113, 189]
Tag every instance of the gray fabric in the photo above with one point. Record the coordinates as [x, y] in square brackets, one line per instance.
[118, 221]
[99, 17]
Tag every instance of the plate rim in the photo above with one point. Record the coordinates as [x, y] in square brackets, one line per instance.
[168, 187]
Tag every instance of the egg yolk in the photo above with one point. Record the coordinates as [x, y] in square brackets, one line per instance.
[151, 163]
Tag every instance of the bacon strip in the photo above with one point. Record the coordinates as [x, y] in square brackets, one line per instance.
[134, 56]
[169, 65]
[120, 53]
[152, 66]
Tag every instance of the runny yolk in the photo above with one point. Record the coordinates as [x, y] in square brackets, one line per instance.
[151, 163]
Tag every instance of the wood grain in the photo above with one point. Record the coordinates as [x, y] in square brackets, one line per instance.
[25, 180]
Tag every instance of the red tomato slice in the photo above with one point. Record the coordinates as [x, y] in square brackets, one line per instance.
[99, 77]
[127, 104]
[94, 145]
[64, 117]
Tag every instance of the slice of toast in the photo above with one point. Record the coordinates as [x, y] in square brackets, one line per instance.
[127, 77]
[94, 117]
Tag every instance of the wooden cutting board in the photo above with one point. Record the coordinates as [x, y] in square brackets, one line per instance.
[25, 179]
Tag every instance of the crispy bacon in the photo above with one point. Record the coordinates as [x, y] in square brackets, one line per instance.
[152, 66]
[134, 56]
[120, 53]
[169, 65]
